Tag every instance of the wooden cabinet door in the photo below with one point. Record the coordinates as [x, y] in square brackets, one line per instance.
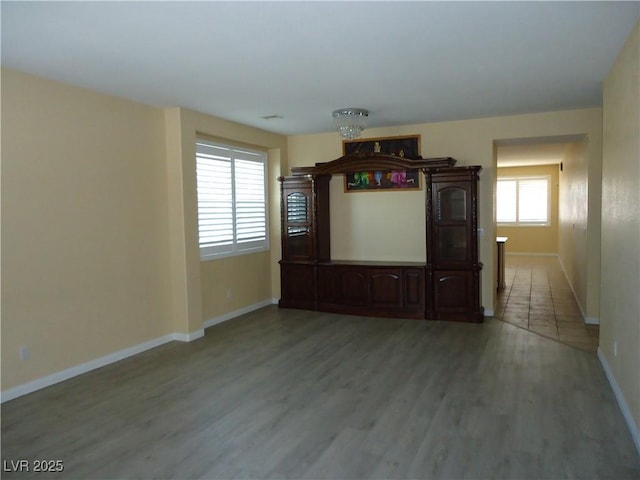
[297, 228]
[304, 211]
[352, 286]
[385, 288]
[453, 290]
[298, 285]
[453, 282]
[457, 295]
[452, 235]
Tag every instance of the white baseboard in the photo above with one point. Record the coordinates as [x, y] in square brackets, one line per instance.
[188, 337]
[587, 320]
[626, 413]
[488, 312]
[236, 313]
[68, 373]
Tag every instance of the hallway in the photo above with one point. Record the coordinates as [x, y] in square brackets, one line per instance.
[538, 298]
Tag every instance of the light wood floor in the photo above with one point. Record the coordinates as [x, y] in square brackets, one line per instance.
[295, 394]
[538, 298]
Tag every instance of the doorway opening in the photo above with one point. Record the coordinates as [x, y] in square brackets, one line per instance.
[544, 231]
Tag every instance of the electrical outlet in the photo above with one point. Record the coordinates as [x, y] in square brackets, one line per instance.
[229, 293]
[615, 348]
[24, 352]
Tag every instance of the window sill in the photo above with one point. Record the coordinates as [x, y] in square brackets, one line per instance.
[237, 253]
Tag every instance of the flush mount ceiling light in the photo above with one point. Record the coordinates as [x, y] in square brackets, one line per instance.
[350, 121]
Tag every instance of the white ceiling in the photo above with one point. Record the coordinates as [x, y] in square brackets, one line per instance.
[407, 62]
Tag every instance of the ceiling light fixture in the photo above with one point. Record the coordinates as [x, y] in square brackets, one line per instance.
[350, 121]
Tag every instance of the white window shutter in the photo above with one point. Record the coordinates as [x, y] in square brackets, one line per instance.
[506, 209]
[532, 199]
[522, 201]
[232, 206]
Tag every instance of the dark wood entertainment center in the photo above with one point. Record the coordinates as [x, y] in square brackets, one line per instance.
[445, 287]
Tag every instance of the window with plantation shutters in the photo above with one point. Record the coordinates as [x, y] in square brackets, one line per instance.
[523, 201]
[232, 199]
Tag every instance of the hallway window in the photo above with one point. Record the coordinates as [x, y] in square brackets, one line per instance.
[523, 201]
[232, 199]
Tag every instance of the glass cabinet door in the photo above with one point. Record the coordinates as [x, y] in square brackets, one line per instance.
[297, 225]
[451, 226]
[297, 208]
[452, 243]
[452, 204]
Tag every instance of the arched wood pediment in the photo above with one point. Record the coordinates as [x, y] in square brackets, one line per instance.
[365, 161]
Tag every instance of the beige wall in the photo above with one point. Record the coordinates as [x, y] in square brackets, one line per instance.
[471, 142]
[365, 215]
[620, 301]
[537, 240]
[233, 283]
[574, 224]
[85, 268]
[99, 227]
[200, 288]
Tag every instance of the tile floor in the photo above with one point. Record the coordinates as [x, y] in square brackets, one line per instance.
[538, 297]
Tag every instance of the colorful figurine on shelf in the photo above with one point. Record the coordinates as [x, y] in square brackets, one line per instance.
[360, 180]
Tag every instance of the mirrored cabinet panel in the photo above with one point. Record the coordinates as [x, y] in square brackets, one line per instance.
[297, 208]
